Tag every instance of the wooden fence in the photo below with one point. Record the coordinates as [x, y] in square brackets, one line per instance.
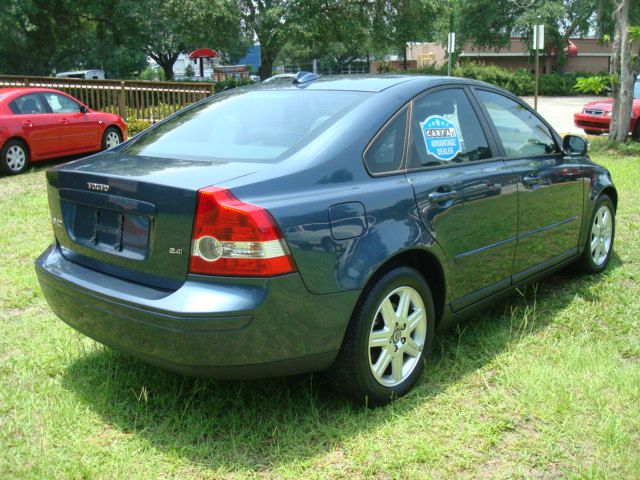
[145, 100]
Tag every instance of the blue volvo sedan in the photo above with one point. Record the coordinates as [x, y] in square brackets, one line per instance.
[314, 224]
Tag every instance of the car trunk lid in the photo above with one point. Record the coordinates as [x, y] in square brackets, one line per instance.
[132, 217]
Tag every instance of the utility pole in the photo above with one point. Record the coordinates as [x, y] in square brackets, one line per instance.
[538, 44]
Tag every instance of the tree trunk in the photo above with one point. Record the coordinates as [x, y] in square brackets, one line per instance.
[622, 76]
[165, 60]
[167, 68]
[266, 66]
[404, 57]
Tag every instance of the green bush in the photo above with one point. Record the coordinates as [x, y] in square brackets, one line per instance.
[189, 72]
[387, 67]
[519, 82]
[231, 83]
[135, 126]
[595, 84]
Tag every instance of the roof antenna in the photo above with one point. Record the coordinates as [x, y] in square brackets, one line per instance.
[304, 77]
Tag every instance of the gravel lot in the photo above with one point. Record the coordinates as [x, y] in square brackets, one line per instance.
[558, 111]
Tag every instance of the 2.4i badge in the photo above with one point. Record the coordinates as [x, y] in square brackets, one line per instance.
[440, 137]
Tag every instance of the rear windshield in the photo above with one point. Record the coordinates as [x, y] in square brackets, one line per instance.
[257, 125]
[636, 90]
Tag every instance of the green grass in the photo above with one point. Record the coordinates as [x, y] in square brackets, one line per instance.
[543, 385]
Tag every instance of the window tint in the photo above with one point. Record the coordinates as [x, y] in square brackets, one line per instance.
[385, 154]
[61, 104]
[445, 130]
[28, 104]
[521, 132]
[241, 125]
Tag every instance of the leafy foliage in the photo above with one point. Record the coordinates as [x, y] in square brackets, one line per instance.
[596, 84]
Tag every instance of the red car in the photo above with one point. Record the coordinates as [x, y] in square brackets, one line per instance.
[596, 116]
[40, 123]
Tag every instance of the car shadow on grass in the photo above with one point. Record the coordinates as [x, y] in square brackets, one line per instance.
[259, 424]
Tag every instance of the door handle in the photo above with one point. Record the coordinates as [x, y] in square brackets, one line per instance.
[64, 121]
[27, 123]
[442, 196]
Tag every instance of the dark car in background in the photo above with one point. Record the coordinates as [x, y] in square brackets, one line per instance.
[595, 117]
[41, 123]
[319, 224]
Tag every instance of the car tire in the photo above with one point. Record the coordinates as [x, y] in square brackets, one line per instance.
[382, 354]
[599, 244]
[592, 132]
[636, 131]
[14, 158]
[111, 138]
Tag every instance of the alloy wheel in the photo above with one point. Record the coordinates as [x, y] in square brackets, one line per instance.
[397, 336]
[601, 234]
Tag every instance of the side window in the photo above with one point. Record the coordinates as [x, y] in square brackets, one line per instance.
[28, 104]
[385, 153]
[521, 132]
[445, 130]
[61, 104]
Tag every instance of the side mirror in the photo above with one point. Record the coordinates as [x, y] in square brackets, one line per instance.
[574, 145]
[83, 109]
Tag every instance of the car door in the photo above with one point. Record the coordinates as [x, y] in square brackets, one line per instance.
[550, 184]
[466, 195]
[38, 126]
[78, 132]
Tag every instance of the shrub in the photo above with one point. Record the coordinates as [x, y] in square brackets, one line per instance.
[431, 69]
[189, 72]
[557, 85]
[231, 83]
[135, 126]
[387, 67]
[596, 84]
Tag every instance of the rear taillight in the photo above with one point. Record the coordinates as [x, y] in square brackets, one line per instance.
[231, 237]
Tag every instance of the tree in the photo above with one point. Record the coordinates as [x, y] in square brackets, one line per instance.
[624, 70]
[336, 32]
[270, 22]
[491, 23]
[397, 22]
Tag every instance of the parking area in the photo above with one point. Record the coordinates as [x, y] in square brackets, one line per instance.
[559, 111]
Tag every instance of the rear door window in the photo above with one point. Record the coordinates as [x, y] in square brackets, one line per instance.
[521, 132]
[29, 104]
[445, 130]
[385, 153]
[61, 103]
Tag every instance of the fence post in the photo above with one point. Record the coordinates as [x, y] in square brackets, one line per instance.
[26, 82]
[213, 89]
[122, 105]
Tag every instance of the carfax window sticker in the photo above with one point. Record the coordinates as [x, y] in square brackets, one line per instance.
[441, 138]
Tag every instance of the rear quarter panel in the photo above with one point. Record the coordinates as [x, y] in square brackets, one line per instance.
[597, 179]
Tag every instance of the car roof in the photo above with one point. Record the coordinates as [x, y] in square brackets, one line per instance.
[12, 92]
[366, 83]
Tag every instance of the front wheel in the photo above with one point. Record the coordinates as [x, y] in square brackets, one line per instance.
[387, 339]
[14, 157]
[599, 244]
[111, 138]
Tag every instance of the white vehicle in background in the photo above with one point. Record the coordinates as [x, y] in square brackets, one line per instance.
[86, 74]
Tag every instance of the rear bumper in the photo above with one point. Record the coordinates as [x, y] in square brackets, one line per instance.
[591, 122]
[211, 327]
